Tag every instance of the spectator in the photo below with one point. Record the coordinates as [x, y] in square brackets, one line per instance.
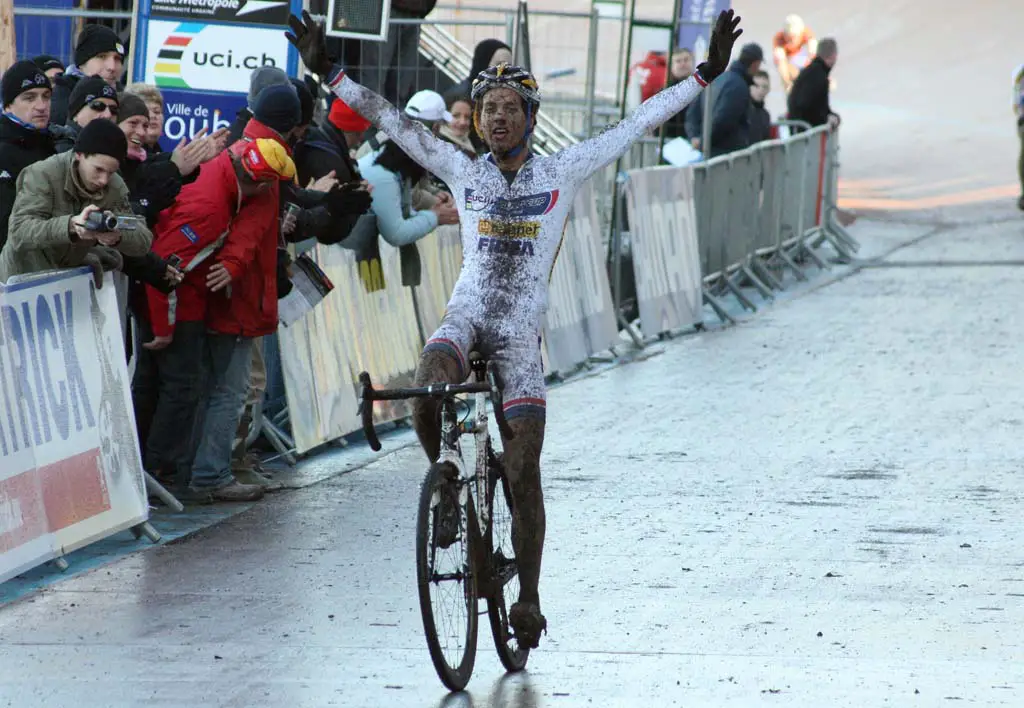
[792, 49]
[649, 76]
[55, 198]
[49, 65]
[168, 384]
[730, 114]
[457, 129]
[92, 98]
[242, 304]
[261, 78]
[489, 52]
[155, 105]
[98, 52]
[24, 138]
[1018, 109]
[680, 70]
[760, 119]
[808, 99]
[392, 174]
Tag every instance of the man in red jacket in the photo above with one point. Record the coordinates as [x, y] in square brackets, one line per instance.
[240, 181]
[242, 304]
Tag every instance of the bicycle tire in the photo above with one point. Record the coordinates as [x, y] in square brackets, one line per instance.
[454, 669]
[512, 656]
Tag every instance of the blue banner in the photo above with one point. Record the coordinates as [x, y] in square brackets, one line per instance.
[694, 25]
[202, 54]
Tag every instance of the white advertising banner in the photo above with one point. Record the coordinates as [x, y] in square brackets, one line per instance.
[666, 259]
[70, 468]
[194, 55]
[580, 320]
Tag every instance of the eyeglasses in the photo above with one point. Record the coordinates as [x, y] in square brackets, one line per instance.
[100, 106]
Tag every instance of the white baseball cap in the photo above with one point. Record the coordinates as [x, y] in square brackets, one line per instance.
[427, 106]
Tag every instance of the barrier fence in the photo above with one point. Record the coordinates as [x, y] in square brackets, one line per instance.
[70, 469]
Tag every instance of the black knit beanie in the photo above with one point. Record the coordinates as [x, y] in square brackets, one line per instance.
[47, 62]
[305, 101]
[102, 137]
[130, 106]
[96, 39]
[278, 107]
[89, 89]
[22, 76]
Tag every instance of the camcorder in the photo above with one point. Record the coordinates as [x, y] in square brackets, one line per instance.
[109, 221]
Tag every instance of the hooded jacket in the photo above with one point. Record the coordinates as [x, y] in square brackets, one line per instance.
[20, 146]
[248, 306]
[193, 229]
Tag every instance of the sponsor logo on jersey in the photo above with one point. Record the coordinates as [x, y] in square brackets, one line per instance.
[507, 246]
[508, 229]
[530, 205]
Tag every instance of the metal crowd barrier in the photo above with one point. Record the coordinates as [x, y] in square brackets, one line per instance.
[756, 214]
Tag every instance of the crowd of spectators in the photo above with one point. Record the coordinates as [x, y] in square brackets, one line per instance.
[204, 231]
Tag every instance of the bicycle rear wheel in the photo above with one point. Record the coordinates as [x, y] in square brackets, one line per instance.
[447, 585]
[505, 571]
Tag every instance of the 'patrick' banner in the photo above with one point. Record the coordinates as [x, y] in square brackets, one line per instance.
[201, 53]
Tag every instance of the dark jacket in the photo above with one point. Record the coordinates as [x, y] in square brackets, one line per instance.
[63, 85]
[730, 113]
[154, 184]
[19, 148]
[64, 136]
[237, 128]
[760, 123]
[322, 150]
[808, 99]
[675, 127]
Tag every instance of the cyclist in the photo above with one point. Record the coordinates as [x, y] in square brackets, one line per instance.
[793, 48]
[512, 207]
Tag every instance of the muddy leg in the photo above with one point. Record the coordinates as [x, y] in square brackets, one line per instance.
[434, 367]
[522, 465]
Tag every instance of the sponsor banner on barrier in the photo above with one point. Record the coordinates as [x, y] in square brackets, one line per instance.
[666, 260]
[580, 319]
[70, 468]
[250, 12]
[194, 55]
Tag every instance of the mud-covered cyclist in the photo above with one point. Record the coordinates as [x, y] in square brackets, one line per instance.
[512, 209]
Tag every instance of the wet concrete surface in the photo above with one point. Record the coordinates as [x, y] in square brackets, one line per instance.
[820, 506]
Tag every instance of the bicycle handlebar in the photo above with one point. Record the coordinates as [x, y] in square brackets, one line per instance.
[369, 394]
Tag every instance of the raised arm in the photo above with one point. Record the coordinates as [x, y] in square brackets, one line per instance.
[583, 159]
[433, 154]
[587, 157]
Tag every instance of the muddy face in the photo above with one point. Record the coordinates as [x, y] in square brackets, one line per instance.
[502, 120]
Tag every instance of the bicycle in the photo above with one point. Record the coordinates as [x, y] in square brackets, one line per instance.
[452, 524]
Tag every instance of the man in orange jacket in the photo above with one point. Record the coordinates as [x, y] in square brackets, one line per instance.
[170, 368]
[242, 304]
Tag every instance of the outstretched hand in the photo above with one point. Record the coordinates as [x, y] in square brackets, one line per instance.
[308, 37]
[723, 37]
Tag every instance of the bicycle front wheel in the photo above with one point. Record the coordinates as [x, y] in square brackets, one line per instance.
[447, 585]
[505, 571]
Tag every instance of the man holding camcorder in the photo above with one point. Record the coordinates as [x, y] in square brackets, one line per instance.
[72, 209]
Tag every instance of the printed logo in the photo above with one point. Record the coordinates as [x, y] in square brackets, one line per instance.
[509, 229]
[189, 233]
[530, 205]
[193, 55]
